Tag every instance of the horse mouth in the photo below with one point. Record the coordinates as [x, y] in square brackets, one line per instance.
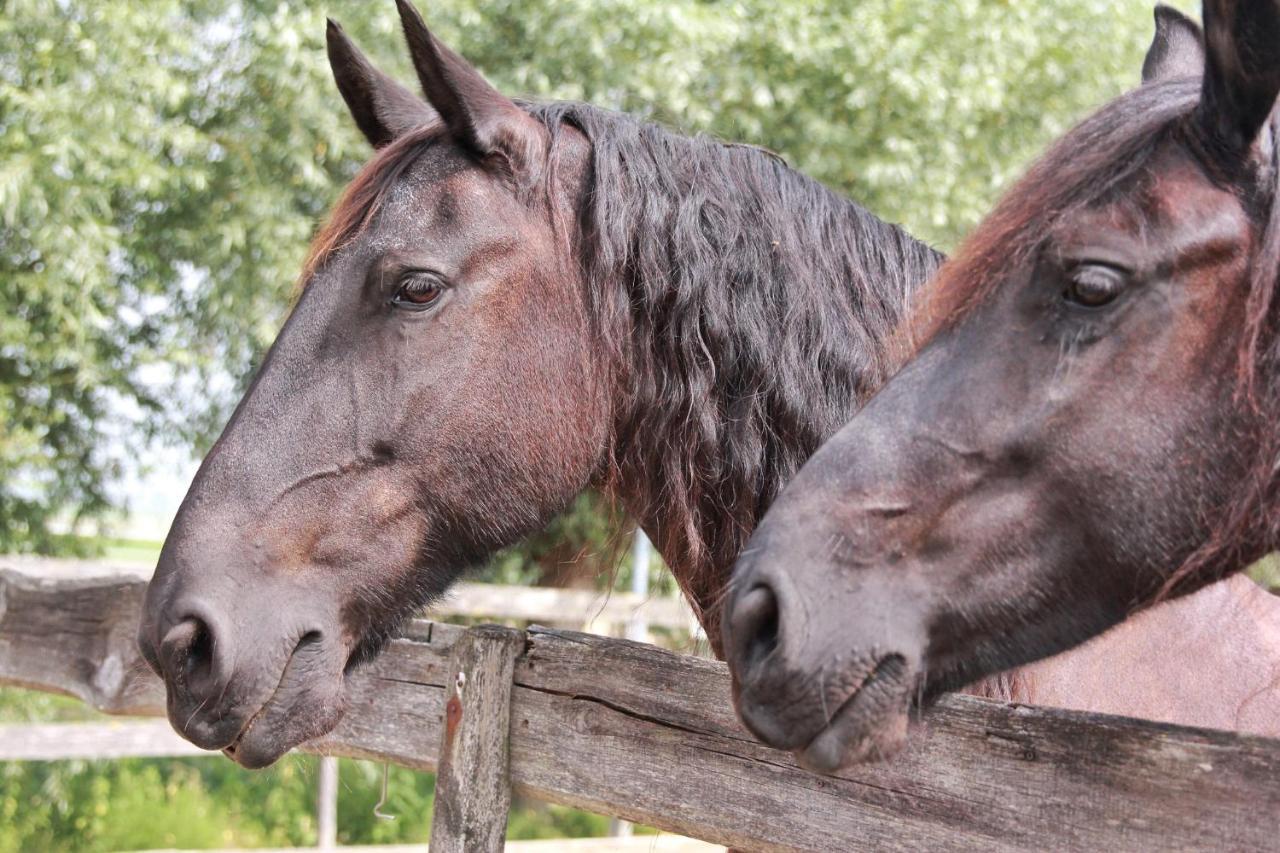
[869, 726]
[278, 727]
[250, 758]
[308, 703]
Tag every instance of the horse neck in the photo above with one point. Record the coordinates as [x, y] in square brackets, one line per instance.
[752, 307]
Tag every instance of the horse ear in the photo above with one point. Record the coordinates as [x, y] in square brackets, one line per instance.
[478, 115]
[1177, 49]
[382, 108]
[1242, 72]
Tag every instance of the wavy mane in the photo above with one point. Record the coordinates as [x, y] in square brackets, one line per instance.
[750, 306]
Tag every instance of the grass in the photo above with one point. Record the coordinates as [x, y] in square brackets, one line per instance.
[131, 550]
[106, 547]
[1267, 572]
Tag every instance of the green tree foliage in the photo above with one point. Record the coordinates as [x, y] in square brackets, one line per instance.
[210, 803]
[138, 804]
[161, 167]
[162, 164]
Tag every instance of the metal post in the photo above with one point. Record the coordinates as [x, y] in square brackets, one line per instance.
[327, 804]
[641, 555]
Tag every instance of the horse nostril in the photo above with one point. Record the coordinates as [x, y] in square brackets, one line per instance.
[755, 623]
[200, 655]
[187, 651]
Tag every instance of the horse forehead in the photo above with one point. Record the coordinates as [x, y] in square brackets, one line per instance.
[448, 189]
[1186, 202]
[453, 212]
[1175, 208]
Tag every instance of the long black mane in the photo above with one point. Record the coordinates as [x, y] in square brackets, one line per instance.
[744, 309]
[749, 306]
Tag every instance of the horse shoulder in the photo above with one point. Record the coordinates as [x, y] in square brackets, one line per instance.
[1209, 659]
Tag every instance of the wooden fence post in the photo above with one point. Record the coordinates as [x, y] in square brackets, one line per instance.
[473, 785]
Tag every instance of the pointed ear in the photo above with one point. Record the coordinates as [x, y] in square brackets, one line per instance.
[1242, 72]
[382, 108]
[478, 116]
[1177, 49]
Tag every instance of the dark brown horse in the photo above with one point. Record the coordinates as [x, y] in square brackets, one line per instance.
[510, 303]
[1086, 423]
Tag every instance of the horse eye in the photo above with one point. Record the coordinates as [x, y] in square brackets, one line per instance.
[417, 291]
[1094, 285]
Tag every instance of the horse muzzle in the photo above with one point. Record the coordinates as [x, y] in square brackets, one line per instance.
[832, 686]
[241, 674]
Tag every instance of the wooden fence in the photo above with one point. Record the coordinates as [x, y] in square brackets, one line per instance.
[585, 609]
[630, 730]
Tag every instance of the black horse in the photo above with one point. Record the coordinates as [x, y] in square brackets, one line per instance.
[511, 303]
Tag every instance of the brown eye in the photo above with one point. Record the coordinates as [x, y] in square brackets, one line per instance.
[418, 291]
[1094, 285]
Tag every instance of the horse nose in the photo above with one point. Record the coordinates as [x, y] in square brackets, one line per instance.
[194, 658]
[765, 652]
[191, 654]
[754, 628]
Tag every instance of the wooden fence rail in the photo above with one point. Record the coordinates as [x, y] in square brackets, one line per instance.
[640, 733]
[586, 609]
[93, 741]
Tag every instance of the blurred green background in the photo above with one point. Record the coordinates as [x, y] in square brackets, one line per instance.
[163, 165]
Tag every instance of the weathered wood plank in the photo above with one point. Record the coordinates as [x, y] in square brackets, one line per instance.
[979, 775]
[594, 611]
[473, 788]
[106, 740]
[77, 637]
[650, 736]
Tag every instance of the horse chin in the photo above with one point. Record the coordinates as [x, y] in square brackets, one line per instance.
[280, 726]
[849, 741]
[870, 726]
